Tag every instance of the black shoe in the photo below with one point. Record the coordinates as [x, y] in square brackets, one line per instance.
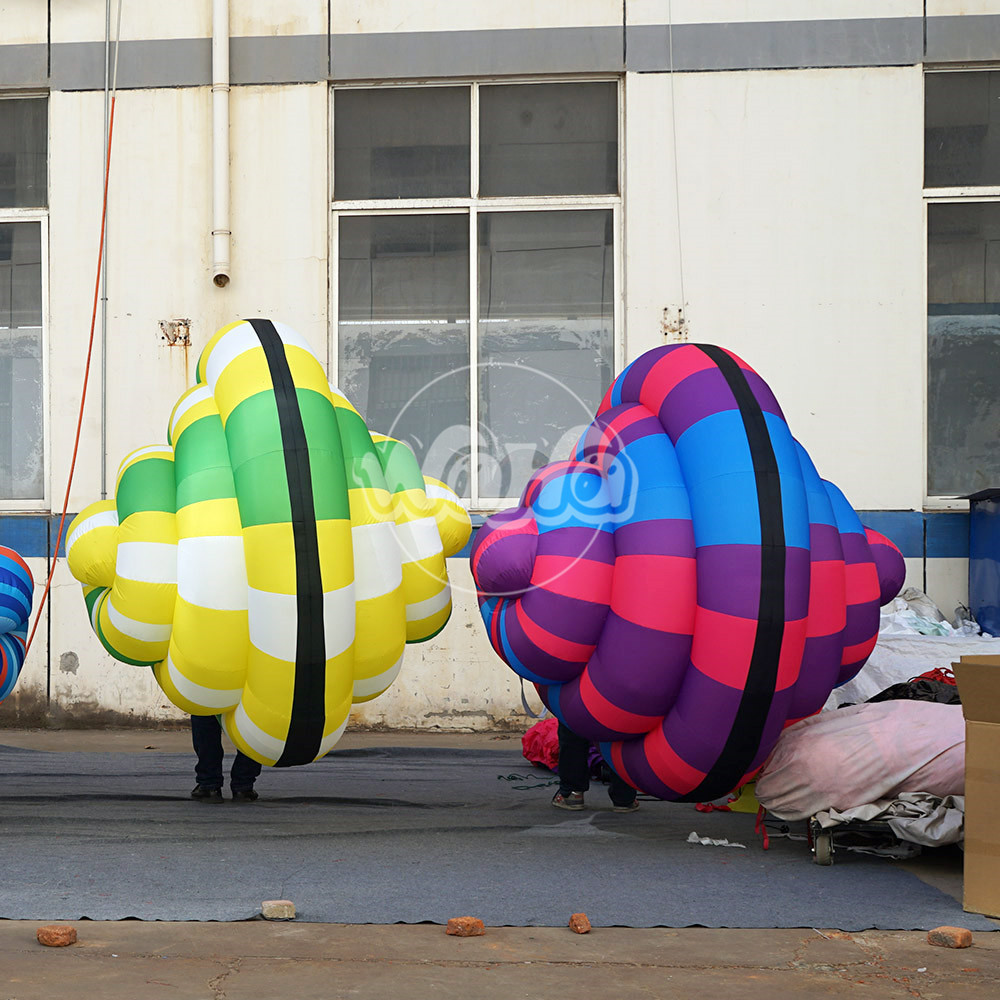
[206, 794]
[245, 795]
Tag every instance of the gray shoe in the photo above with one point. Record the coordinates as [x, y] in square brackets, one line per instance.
[572, 801]
[631, 807]
[203, 793]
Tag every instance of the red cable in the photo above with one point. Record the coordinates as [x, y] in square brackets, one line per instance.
[86, 377]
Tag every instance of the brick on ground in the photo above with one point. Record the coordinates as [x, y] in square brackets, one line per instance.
[56, 935]
[465, 927]
[950, 937]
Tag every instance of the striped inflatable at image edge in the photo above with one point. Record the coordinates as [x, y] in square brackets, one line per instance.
[274, 558]
[686, 585]
[17, 588]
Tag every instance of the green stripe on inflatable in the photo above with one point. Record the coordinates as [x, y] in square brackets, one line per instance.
[253, 436]
[201, 461]
[400, 466]
[326, 456]
[117, 654]
[147, 485]
[360, 458]
[90, 598]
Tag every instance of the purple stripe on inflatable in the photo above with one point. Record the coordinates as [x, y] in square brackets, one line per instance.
[576, 716]
[600, 433]
[856, 548]
[577, 543]
[862, 623]
[691, 400]
[824, 541]
[543, 664]
[700, 744]
[567, 617]
[819, 672]
[714, 396]
[637, 765]
[776, 719]
[720, 565]
[639, 669]
[636, 374]
[762, 393]
[662, 538]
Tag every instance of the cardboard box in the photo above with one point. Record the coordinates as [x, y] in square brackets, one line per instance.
[979, 686]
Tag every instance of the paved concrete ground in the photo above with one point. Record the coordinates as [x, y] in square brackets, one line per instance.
[230, 961]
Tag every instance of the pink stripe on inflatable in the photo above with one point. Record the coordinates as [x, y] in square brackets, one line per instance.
[610, 715]
[554, 645]
[668, 373]
[859, 651]
[656, 591]
[862, 583]
[518, 526]
[793, 643]
[722, 646]
[827, 611]
[581, 579]
[671, 769]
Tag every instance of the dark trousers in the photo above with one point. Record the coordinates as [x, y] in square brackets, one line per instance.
[206, 735]
[574, 770]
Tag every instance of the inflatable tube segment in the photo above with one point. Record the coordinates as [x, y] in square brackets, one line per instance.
[271, 562]
[17, 588]
[685, 585]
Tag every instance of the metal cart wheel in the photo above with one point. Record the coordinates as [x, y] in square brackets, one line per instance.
[823, 847]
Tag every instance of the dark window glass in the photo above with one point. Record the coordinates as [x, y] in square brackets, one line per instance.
[546, 337]
[401, 142]
[961, 129]
[404, 334]
[963, 348]
[23, 152]
[548, 139]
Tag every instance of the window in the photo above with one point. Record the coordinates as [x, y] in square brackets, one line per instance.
[23, 203]
[475, 239]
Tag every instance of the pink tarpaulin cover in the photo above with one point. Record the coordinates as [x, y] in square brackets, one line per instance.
[852, 756]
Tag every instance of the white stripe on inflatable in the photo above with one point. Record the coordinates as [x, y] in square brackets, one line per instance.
[377, 569]
[102, 519]
[143, 631]
[424, 609]
[273, 620]
[147, 562]
[211, 572]
[230, 346]
[199, 395]
[365, 687]
[151, 449]
[293, 337]
[266, 745]
[418, 539]
[435, 492]
[328, 742]
[339, 615]
[209, 697]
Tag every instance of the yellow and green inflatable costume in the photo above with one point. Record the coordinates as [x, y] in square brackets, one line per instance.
[272, 561]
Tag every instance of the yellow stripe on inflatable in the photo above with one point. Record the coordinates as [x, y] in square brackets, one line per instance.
[197, 564]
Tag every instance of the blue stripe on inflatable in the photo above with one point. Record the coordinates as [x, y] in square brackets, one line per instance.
[847, 519]
[817, 499]
[575, 500]
[515, 664]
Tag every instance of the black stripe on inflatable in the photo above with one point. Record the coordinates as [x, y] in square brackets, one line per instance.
[308, 716]
[748, 726]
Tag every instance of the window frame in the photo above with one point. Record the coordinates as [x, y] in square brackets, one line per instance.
[472, 207]
[40, 216]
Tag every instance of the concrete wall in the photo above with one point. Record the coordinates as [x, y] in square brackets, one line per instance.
[781, 209]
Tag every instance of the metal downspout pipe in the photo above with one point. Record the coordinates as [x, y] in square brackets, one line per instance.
[221, 233]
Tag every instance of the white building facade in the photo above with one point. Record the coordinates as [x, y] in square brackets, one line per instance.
[477, 214]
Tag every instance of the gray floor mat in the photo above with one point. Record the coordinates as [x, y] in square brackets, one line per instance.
[410, 835]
